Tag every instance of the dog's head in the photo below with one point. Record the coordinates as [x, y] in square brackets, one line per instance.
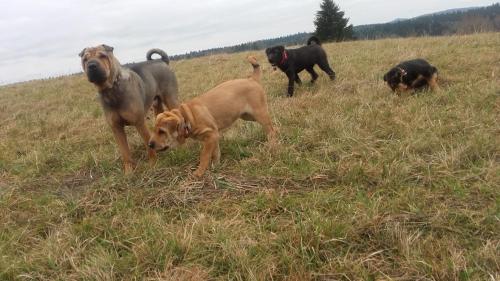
[170, 131]
[394, 79]
[275, 55]
[98, 64]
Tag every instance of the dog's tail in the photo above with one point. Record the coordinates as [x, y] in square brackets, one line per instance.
[164, 56]
[256, 68]
[313, 39]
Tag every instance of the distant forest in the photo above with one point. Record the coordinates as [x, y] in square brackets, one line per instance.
[462, 21]
[295, 39]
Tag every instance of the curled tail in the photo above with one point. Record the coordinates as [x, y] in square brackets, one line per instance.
[256, 68]
[164, 56]
[313, 39]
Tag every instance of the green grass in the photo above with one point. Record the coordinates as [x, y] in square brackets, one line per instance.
[364, 185]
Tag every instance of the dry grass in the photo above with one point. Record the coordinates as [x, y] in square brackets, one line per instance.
[363, 186]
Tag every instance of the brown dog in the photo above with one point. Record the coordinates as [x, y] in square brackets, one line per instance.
[127, 93]
[204, 116]
[412, 75]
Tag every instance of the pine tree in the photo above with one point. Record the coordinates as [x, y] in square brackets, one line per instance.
[331, 24]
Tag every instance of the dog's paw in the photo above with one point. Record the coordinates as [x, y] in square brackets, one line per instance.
[128, 168]
[152, 157]
[198, 173]
[215, 162]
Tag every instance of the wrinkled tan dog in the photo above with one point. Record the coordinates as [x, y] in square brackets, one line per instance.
[204, 116]
[127, 93]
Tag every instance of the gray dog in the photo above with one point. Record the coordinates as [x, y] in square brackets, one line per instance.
[127, 93]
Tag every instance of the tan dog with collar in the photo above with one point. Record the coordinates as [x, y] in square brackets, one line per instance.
[203, 117]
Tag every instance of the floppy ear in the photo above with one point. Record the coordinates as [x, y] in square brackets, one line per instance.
[107, 48]
[180, 126]
[82, 52]
[182, 131]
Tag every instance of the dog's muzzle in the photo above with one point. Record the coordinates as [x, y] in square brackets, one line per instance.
[163, 148]
[152, 145]
[95, 73]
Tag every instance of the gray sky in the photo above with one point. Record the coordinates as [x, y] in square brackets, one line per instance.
[41, 38]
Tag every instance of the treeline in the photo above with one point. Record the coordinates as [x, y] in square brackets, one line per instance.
[295, 39]
[472, 20]
[463, 21]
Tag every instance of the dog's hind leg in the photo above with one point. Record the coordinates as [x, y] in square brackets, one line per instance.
[262, 117]
[326, 68]
[158, 106]
[170, 97]
[313, 73]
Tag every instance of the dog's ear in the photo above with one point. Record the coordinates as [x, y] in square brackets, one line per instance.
[182, 131]
[281, 48]
[179, 124]
[107, 48]
[82, 52]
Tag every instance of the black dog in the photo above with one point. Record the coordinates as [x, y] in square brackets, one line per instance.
[294, 61]
[411, 75]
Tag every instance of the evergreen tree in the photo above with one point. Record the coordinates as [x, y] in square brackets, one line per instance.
[331, 24]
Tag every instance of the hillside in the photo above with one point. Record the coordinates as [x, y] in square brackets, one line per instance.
[454, 21]
[364, 185]
[289, 40]
[448, 22]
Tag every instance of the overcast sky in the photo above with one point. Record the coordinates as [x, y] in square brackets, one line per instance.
[42, 38]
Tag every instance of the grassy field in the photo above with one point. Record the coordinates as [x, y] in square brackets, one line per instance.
[364, 185]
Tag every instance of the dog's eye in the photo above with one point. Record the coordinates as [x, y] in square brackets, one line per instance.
[102, 56]
[161, 132]
[85, 59]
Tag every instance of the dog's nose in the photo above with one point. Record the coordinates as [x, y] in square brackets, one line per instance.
[151, 144]
[92, 66]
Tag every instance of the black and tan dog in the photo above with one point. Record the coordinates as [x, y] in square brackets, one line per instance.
[411, 75]
[295, 60]
[203, 117]
[127, 93]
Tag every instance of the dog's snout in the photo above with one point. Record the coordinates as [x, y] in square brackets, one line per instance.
[92, 65]
[151, 144]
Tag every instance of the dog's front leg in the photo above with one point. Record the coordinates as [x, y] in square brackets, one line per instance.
[291, 78]
[433, 82]
[297, 79]
[144, 132]
[216, 155]
[210, 144]
[121, 139]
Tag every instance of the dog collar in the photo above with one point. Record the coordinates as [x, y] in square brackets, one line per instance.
[284, 57]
